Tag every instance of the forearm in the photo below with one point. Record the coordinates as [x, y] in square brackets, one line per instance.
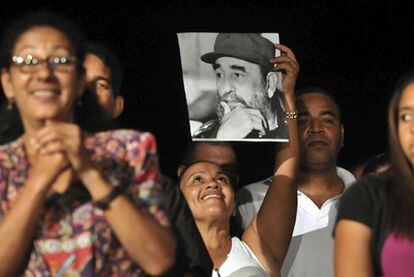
[276, 217]
[151, 245]
[287, 156]
[18, 226]
[147, 242]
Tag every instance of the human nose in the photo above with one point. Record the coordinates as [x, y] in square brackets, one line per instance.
[226, 85]
[315, 127]
[212, 184]
[44, 70]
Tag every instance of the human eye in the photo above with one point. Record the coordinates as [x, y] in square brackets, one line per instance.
[406, 117]
[59, 60]
[238, 75]
[222, 179]
[219, 75]
[29, 61]
[102, 85]
[328, 121]
[197, 180]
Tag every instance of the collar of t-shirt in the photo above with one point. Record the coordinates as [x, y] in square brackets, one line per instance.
[310, 217]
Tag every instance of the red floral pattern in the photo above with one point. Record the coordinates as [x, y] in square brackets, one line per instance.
[76, 233]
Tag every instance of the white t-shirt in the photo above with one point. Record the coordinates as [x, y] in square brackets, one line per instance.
[311, 249]
[241, 261]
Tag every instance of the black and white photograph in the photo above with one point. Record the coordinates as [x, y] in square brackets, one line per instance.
[231, 88]
[206, 138]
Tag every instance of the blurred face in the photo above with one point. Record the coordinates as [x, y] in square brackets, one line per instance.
[218, 154]
[406, 122]
[208, 192]
[49, 91]
[98, 80]
[239, 83]
[320, 131]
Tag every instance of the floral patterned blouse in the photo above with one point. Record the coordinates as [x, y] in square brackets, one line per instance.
[72, 236]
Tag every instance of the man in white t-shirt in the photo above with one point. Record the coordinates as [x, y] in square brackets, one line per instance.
[320, 184]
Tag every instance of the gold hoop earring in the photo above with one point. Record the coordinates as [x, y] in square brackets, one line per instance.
[10, 104]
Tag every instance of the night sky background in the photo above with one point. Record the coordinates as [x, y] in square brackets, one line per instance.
[355, 49]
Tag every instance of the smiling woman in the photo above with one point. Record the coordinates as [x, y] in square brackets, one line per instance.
[72, 202]
[208, 190]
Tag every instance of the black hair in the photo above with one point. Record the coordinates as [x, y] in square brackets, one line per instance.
[89, 115]
[110, 61]
[189, 155]
[41, 19]
[189, 158]
[314, 89]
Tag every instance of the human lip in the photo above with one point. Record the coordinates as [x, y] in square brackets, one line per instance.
[317, 143]
[212, 196]
[45, 94]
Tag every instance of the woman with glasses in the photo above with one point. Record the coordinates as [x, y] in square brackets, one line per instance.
[72, 203]
[374, 234]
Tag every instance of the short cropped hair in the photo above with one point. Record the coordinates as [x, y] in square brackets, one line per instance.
[110, 61]
[315, 89]
[189, 158]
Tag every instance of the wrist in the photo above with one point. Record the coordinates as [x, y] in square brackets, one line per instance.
[95, 183]
[38, 185]
[291, 114]
[104, 202]
[289, 101]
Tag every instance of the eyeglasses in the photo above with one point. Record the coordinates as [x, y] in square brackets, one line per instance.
[31, 64]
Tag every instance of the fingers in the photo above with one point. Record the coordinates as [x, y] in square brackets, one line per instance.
[285, 51]
[226, 107]
[52, 147]
[252, 119]
[56, 136]
[240, 122]
[259, 120]
[287, 64]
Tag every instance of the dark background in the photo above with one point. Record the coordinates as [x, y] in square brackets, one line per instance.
[355, 49]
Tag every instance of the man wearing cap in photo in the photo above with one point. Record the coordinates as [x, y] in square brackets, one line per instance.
[249, 101]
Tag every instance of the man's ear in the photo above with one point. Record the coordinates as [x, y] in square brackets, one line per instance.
[118, 106]
[272, 81]
[342, 134]
[6, 84]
